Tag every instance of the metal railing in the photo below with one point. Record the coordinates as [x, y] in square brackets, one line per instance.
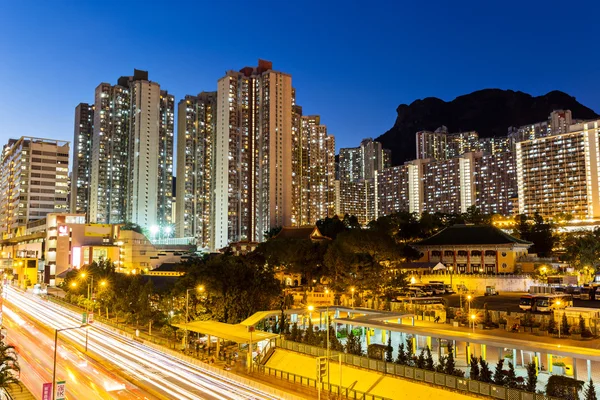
[416, 374]
[344, 393]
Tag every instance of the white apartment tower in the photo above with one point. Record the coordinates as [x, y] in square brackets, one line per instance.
[253, 154]
[132, 153]
[196, 125]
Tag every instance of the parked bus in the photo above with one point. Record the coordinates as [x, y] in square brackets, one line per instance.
[423, 287]
[526, 302]
[588, 293]
[441, 287]
[547, 303]
[422, 302]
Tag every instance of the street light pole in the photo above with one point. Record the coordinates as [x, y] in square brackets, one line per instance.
[187, 312]
[55, 348]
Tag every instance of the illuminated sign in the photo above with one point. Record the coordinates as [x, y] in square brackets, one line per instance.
[63, 230]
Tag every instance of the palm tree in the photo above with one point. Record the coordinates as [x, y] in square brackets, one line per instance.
[9, 368]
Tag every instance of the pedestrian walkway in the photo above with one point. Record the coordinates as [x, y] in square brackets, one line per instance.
[19, 392]
[360, 379]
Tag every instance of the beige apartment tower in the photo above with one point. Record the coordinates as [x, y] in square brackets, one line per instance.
[34, 181]
[253, 154]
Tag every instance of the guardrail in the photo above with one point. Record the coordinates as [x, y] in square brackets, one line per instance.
[416, 374]
[345, 393]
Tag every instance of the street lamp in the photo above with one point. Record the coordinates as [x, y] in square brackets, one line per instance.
[55, 347]
[90, 288]
[352, 290]
[200, 288]
[559, 322]
[473, 317]
[451, 269]
[469, 297]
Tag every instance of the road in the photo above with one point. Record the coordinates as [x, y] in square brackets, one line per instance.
[508, 302]
[86, 379]
[162, 374]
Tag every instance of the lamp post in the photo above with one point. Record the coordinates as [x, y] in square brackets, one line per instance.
[352, 290]
[469, 297]
[451, 269]
[473, 317]
[187, 308]
[55, 347]
[559, 322]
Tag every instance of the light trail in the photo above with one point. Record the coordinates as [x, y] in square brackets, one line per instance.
[165, 373]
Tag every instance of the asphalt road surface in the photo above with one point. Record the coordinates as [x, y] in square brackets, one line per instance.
[508, 302]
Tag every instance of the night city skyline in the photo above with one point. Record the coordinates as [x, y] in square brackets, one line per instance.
[352, 66]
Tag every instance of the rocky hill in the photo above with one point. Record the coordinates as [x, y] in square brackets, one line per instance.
[489, 112]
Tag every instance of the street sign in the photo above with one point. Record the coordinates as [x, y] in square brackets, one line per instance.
[84, 318]
[61, 390]
[90, 318]
[47, 391]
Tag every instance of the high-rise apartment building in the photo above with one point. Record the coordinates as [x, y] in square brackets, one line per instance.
[82, 163]
[166, 132]
[132, 153]
[432, 145]
[560, 173]
[253, 154]
[350, 164]
[461, 143]
[358, 198]
[33, 182]
[496, 183]
[558, 122]
[392, 190]
[313, 164]
[363, 162]
[196, 124]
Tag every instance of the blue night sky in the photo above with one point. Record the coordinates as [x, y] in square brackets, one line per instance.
[351, 62]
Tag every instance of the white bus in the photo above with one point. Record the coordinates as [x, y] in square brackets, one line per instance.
[550, 302]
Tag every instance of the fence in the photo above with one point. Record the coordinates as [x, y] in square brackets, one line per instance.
[345, 393]
[416, 374]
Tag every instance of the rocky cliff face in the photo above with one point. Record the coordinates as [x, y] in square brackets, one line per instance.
[489, 112]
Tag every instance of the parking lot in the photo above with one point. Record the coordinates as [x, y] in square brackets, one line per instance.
[507, 302]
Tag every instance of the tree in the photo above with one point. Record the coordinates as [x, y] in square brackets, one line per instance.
[590, 391]
[531, 383]
[389, 350]
[420, 362]
[294, 335]
[474, 371]
[271, 233]
[563, 387]
[510, 380]
[9, 367]
[485, 374]
[331, 227]
[410, 353]
[551, 324]
[334, 342]
[564, 325]
[499, 373]
[441, 366]
[429, 365]
[582, 327]
[353, 344]
[401, 359]
[450, 367]
[309, 335]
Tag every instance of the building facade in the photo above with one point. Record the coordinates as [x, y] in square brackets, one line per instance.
[559, 174]
[432, 145]
[82, 163]
[196, 124]
[34, 181]
[253, 154]
[313, 162]
[132, 152]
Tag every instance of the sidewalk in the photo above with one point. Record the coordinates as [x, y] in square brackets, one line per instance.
[360, 379]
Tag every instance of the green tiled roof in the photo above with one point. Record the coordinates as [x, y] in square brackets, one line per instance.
[471, 235]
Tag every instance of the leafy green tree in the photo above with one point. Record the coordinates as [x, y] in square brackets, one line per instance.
[9, 367]
[331, 227]
[563, 387]
[582, 249]
[450, 368]
[551, 324]
[420, 362]
[531, 382]
[295, 334]
[429, 364]
[309, 334]
[590, 391]
[485, 374]
[582, 327]
[271, 233]
[334, 342]
[564, 325]
[389, 350]
[499, 373]
[510, 380]
[410, 352]
[474, 368]
[353, 344]
[401, 359]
